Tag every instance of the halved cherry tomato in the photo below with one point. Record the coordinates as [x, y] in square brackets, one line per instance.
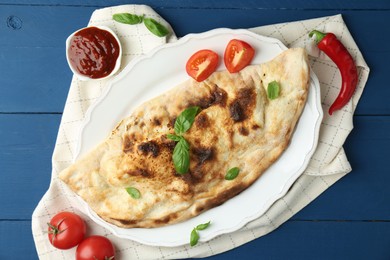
[66, 230]
[238, 55]
[95, 248]
[202, 64]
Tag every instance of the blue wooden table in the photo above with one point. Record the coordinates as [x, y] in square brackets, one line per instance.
[351, 220]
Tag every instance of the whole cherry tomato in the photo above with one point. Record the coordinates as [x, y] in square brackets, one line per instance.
[238, 55]
[66, 230]
[95, 248]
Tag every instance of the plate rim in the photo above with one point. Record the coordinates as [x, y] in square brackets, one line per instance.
[205, 236]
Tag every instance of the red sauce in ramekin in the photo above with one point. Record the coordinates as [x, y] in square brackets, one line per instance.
[93, 52]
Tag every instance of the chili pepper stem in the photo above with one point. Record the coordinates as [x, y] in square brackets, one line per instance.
[318, 35]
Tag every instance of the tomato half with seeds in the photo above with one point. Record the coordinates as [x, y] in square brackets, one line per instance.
[238, 55]
[66, 230]
[202, 64]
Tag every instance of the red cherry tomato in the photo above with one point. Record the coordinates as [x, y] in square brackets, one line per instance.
[95, 248]
[238, 55]
[66, 230]
[202, 64]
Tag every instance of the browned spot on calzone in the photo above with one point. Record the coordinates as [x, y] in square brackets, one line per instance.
[202, 154]
[220, 96]
[199, 209]
[167, 143]
[172, 122]
[225, 195]
[217, 96]
[125, 222]
[203, 102]
[243, 131]
[202, 121]
[156, 121]
[255, 127]
[140, 172]
[243, 105]
[220, 198]
[128, 143]
[166, 219]
[149, 147]
[236, 112]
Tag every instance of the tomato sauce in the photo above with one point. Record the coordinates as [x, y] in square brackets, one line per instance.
[93, 52]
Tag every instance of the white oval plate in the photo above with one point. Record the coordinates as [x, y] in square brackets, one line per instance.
[164, 68]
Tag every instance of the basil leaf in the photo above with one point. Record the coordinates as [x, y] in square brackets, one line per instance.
[134, 193]
[185, 120]
[127, 18]
[181, 153]
[232, 174]
[173, 137]
[194, 237]
[203, 226]
[273, 90]
[155, 27]
[181, 156]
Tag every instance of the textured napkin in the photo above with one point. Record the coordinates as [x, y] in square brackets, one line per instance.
[328, 164]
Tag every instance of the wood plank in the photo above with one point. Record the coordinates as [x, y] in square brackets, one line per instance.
[319, 240]
[363, 194]
[374, 100]
[293, 240]
[39, 24]
[206, 4]
[37, 75]
[37, 79]
[16, 241]
[27, 142]
[26, 146]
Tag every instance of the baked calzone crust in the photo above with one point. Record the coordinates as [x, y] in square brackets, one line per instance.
[238, 126]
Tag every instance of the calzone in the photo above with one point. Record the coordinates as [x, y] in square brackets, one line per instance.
[238, 126]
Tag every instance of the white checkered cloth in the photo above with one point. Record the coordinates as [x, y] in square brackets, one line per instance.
[328, 164]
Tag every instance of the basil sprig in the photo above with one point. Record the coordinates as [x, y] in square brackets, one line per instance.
[194, 237]
[273, 90]
[181, 153]
[232, 173]
[152, 25]
[133, 192]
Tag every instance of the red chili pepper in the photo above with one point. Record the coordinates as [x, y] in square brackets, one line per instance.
[336, 51]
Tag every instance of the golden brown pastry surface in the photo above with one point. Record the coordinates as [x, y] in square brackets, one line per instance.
[238, 126]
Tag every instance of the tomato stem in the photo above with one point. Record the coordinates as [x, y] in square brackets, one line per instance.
[55, 230]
